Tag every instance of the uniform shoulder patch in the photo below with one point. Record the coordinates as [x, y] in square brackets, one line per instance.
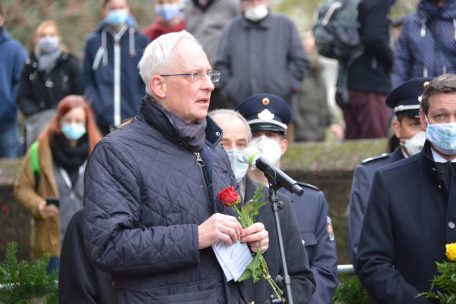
[375, 158]
[308, 186]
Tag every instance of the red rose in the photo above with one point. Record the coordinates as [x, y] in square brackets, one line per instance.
[229, 196]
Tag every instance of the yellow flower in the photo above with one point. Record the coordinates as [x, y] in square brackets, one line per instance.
[451, 251]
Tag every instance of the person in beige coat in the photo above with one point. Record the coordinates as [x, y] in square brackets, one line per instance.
[54, 192]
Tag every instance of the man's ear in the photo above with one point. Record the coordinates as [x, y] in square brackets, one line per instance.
[423, 123]
[396, 127]
[283, 146]
[158, 86]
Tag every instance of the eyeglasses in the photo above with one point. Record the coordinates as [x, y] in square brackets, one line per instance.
[214, 76]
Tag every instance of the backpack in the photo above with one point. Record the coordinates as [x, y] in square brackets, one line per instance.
[336, 36]
[35, 163]
[336, 30]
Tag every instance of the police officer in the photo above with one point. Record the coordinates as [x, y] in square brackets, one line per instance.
[405, 104]
[236, 136]
[411, 212]
[268, 116]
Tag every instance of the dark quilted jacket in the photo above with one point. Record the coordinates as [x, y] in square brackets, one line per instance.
[145, 196]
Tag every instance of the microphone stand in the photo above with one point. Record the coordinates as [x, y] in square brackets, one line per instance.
[276, 205]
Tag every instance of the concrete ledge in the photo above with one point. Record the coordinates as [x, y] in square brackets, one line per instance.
[328, 166]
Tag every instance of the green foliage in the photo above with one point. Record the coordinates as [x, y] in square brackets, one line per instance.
[350, 291]
[26, 280]
[443, 287]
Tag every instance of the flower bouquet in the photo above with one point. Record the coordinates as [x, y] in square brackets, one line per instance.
[246, 216]
[443, 288]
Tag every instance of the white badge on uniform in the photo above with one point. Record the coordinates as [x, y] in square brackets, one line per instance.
[330, 228]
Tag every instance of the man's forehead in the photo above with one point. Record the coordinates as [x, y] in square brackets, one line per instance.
[188, 54]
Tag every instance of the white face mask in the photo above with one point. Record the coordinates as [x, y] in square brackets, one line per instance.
[414, 144]
[256, 13]
[238, 165]
[269, 148]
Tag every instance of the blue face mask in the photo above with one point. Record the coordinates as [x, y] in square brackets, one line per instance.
[47, 45]
[116, 17]
[167, 11]
[238, 164]
[73, 131]
[442, 136]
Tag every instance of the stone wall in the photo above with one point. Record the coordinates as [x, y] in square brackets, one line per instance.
[325, 165]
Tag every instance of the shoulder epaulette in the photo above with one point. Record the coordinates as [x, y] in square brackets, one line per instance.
[308, 186]
[371, 159]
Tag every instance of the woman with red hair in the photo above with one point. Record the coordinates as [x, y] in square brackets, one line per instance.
[54, 192]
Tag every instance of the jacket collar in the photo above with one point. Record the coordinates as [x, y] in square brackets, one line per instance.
[4, 35]
[263, 24]
[163, 124]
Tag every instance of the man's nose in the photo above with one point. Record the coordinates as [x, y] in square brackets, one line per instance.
[207, 83]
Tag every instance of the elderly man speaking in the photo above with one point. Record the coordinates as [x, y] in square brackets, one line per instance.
[151, 213]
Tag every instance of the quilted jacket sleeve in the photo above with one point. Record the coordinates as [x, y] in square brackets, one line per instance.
[114, 236]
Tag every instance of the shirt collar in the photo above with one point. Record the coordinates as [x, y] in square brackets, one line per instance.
[439, 159]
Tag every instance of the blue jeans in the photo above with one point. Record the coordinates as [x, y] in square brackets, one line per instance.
[9, 142]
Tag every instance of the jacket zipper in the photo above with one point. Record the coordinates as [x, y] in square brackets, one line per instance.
[201, 164]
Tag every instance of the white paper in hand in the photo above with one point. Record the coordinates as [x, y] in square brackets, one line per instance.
[233, 259]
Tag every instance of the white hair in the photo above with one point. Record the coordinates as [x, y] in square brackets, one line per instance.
[158, 54]
[233, 114]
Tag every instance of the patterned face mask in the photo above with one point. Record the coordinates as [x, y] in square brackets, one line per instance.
[442, 136]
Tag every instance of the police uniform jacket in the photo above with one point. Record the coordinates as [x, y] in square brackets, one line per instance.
[362, 182]
[409, 219]
[316, 232]
[302, 279]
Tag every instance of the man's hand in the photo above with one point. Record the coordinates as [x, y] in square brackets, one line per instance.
[219, 227]
[47, 211]
[256, 237]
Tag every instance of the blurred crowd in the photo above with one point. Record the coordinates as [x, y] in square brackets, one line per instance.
[66, 104]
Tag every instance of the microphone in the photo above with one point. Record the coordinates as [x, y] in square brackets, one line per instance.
[273, 174]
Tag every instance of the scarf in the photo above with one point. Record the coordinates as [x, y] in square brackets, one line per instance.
[46, 62]
[68, 157]
[193, 135]
[203, 4]
[432, 11]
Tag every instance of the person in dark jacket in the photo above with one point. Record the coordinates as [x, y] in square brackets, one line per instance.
[11, 63]
[427, 44]
[50, 74]
[410, 216]
[404, 101]
[109, 72]
[151, 215]
[236, 136]
[368, 82]
[268, 116]
[79, 280]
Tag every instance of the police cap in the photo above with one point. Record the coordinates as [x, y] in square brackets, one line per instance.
[266, 112]
[404, 99]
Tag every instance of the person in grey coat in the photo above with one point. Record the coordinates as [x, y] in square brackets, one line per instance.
[260, 51]
[151, 214]
[206, 19]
